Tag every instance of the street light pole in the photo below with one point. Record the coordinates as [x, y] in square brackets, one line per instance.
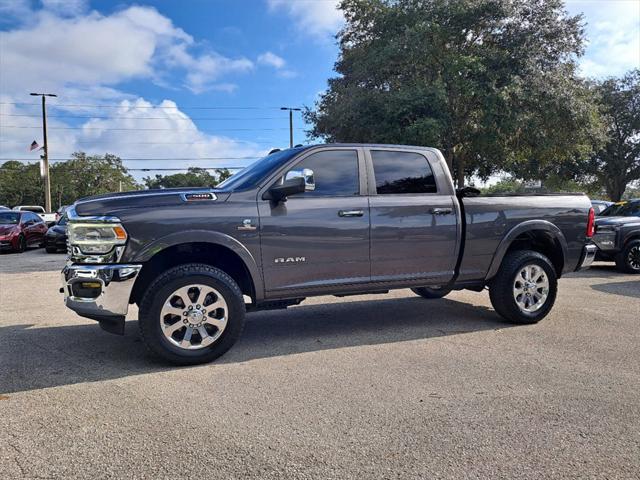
[291, 110]
[45, 147]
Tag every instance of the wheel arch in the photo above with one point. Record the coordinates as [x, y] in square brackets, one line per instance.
[211, 248]
[631, 236]
[538, 235]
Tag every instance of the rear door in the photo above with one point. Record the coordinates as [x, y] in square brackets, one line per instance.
[414, 227]
[320, 238]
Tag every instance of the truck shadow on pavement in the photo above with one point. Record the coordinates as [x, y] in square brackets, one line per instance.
[627, 289]
[34, 357]
[599, 270]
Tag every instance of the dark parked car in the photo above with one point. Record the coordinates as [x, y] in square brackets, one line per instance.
[600, 205]
[56, 238]
[618, 235]
[20, 230]
[60, 212]
[317, 220]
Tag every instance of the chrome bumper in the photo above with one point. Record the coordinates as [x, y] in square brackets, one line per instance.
[99, 292]
[588, 255]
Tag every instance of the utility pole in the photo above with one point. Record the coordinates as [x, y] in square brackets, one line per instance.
[291, 110]
[45, 157]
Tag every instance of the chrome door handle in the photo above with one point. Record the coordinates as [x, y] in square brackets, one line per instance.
[441, 211]
[351, 213]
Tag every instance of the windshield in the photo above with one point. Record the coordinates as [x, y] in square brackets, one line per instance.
[622, 209]
[63, 220]
[9, 218]
[258, 170]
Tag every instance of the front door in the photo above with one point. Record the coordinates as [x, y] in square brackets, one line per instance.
[319, 238]
[413, 219]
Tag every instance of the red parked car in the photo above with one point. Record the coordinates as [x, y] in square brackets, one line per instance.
[19, 230]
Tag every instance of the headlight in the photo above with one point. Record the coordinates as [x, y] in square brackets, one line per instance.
[96, 238]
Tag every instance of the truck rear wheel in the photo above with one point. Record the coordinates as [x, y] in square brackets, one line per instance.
[191, 314]
[525, 288]
[628, 261]
[431, 292]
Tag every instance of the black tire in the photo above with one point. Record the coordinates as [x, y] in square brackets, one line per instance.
[51, 249]
[431, 292]
[158, 293]
[628, 261]
[501, 287]
[22, 244]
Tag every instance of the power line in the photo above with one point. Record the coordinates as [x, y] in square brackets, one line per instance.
[91, 142]
[154, 129]
[177, 159]
[118, 117]
[87, 105]
[160, 169]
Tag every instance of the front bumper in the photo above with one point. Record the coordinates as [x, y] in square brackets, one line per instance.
[588, 256]
[56, 241]
[6, 244]
[100, 292]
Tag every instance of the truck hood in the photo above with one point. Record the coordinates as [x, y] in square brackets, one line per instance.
[109, 202]
[615, 221]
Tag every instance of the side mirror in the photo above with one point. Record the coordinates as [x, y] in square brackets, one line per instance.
[278, 193]
[307, 174]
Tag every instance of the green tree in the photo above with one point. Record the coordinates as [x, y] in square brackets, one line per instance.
[81, 176]
[617, 164]
[492, 83]
[85, 175]
[194, 177]
[20, 184]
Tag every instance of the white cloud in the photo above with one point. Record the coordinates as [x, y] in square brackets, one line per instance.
[85, 57]
[613, 33]
[14, 9]
[272, 60]
[137, 42]
[65, 7]
[135, 129]
[278, 63]
[317, 18]
[202, 70]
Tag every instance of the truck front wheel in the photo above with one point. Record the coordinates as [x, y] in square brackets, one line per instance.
[525, 288]
[191, 314]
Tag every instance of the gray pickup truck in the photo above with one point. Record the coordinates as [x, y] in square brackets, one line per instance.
[317, 220]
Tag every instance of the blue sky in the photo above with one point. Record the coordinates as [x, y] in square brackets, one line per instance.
[197, 79]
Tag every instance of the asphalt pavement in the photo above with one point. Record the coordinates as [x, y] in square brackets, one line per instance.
[376, 386]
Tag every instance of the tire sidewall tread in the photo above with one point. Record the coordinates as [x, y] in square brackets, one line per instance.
[501, 287]
[621, 258]
[157, 293]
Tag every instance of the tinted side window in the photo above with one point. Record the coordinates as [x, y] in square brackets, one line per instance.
[335, 173]
[402, 172]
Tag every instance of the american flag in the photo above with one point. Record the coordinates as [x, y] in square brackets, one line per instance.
[34, 146]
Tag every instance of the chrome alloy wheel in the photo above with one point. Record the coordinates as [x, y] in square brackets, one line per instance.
[633, 257]
[531, 288]
[194, 316]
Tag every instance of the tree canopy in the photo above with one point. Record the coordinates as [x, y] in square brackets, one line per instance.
[194, 177]
[617, 164]
[492, 83]
[81, 176]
